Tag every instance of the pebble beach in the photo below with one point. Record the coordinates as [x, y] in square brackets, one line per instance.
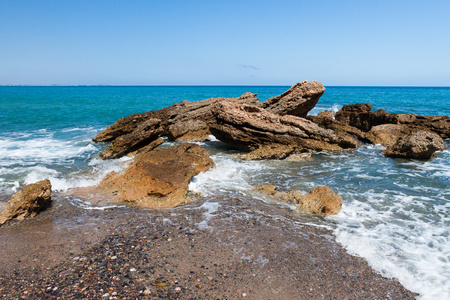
[215, 248]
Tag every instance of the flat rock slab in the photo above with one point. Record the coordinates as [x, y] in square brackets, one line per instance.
[158, 178]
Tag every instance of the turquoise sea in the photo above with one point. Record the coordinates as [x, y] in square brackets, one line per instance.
[396, 213]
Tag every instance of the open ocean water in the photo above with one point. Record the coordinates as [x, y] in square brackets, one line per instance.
[396, 212]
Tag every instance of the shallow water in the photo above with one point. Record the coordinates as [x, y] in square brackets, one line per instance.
[395, 212]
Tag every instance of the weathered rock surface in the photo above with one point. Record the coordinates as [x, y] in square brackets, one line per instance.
[417, 145]
[352, 135]
[159, 178]
[28, 202]
[319, 201]
[297, 101]
[361, 117]
[190, 121]
[144, 134]
[386, 134]
[185, 121]
[250, 128]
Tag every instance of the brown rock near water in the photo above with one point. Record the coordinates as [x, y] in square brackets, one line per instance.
[185, 121]
[159, 178]
[386, 134]
[297, 101]
[249, 128]
[190, 121]
[417, 145]
[144, 134]
[28, 202]
[360, 116]
[320, 201]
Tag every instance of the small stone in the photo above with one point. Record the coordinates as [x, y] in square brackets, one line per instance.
[147, 292]
[177, 289]
[199, 286]
[114, 257]
[132, 270]
[244, 294]
[106, 295]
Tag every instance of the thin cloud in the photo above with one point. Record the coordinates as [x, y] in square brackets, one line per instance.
[248, 67]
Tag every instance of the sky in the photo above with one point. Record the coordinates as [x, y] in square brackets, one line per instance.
[189, 42]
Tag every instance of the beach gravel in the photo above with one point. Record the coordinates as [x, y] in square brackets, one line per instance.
[216, 248]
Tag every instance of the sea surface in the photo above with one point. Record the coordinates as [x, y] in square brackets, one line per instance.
[396, 212]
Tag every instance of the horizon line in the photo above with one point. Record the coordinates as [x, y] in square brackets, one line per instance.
[206, 85]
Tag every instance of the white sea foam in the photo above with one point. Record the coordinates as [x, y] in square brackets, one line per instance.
[398, 242]
[67, 163]
[230, 174]
[211, 208]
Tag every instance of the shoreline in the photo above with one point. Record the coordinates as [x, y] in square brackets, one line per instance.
[224, 247]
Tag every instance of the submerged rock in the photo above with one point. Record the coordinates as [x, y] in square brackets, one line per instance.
[159, 178]
[319, 201]
[417, 145]
[28, 202]
[297, 101]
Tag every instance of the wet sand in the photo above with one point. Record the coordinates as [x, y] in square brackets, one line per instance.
[215, 248]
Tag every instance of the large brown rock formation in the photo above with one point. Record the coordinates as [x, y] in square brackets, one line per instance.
[249, 128]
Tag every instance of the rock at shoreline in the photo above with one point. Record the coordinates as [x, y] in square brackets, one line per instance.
[249, 128]
[297, 101]
[360, 116]
[320, 201]
[386, 134]
[191, 121]
[146, 133]
[28, 202]
[159, 178]
[417, 145]
[185, 121]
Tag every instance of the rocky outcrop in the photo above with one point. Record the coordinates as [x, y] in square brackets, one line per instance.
[250, 128]
[297, 101]
[386, 134]
[191, 121]
[361, 117]
[185, 121]
[417, 145]
[28, 202]
[158, 178]
[320, 201]
[348, 133]
[144, 134]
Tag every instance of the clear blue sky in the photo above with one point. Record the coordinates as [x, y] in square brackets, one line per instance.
[371, 42]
